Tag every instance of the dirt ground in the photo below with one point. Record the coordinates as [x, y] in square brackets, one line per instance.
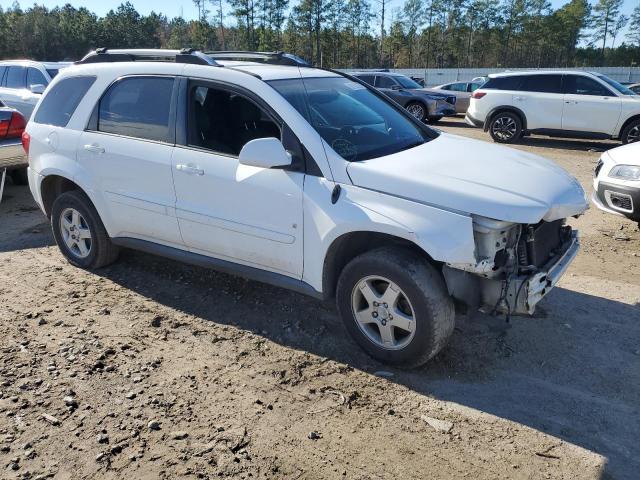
[153, 369]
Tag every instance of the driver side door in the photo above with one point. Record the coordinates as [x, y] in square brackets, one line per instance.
[240, 213]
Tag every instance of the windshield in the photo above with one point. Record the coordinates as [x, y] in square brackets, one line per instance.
[357, 124]
[618, 86]
[406, 82]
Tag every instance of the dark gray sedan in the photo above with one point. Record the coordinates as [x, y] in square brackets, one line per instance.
[422, 103]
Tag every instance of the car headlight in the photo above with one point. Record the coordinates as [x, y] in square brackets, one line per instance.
[625, 172]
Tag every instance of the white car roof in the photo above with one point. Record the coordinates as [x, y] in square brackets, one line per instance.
[26, 62]
[539, 72]
[263, 71]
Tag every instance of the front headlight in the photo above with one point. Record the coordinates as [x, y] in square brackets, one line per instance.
[625, 172]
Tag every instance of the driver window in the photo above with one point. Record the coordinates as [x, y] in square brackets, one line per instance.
[579, 85]
[224, 121]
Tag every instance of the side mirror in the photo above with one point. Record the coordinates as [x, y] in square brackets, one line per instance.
[38, 88]
[264, 153]
[396, 87]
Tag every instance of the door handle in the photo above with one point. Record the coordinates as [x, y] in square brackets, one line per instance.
[520, 98]
[575, 102]
[94, 148]
[190, 169]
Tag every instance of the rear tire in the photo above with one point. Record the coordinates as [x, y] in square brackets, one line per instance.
[631, 132]
[79, 232]
[396, 306]
[505, 127]
[20, 177]
[433, 120]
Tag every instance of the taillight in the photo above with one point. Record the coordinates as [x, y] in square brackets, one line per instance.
[478, 95]
[17, 126]
[26, 141]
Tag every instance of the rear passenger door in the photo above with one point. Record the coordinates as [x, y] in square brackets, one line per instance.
[589, 106]
[126, 149]
[541, 99]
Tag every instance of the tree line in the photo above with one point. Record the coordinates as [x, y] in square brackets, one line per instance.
[347, 33]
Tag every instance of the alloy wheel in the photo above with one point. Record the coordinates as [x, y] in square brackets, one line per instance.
[75, 233]
[383, 312]
[504, 128]
[416, 110]
[634, 134]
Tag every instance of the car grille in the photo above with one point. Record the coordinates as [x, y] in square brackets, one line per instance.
[451, 99]
[541, 242]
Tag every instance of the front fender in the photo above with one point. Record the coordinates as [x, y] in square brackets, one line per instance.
[445, 236]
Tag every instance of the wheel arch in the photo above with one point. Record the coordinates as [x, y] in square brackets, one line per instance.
[52, 186]
[626, 123]
[351, 244]
[506, 108]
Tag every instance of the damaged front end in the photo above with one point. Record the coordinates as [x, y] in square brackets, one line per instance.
[517, 265]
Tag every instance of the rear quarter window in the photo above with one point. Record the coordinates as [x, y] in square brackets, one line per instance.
[59, 104]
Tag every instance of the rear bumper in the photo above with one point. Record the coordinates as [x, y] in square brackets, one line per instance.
[11, 154]
[474, 122]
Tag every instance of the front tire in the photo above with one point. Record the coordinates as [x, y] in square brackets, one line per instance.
[631, 132]
[79, 232]
[433, 120]
[418, 110]
[505, 127]
[396, 306]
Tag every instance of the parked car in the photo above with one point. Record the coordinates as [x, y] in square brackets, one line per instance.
[418, 80]
[12, 157]
[635, 87]
[424, 104]
[462, 91]
[616, 182]
[555, 103]
[300, 177]
[23, 81]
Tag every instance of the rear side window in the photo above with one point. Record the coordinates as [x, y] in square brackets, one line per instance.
[543, 83]
[15, 77]
[35, 77]
[458, 87]
[138, 107]
[367, 79]
[57, 106]
[2, 71]
[384, 82]
[504, 83]
[579, 85]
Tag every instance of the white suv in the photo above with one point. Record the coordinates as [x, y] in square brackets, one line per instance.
[303, 178]
[23, 81]
[559, 104]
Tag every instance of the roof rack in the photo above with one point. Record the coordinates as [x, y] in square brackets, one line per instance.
[271, 58]
[186, 55]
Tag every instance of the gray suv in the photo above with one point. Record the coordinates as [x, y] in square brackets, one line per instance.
[23, 81]
[424, 104]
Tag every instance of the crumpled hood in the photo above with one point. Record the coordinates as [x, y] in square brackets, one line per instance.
[628, 154]
[475, 177]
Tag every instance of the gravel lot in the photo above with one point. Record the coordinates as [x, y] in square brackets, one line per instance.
[153, 369]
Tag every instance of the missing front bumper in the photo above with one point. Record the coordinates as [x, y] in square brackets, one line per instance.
[520, 295]
[516, 296]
